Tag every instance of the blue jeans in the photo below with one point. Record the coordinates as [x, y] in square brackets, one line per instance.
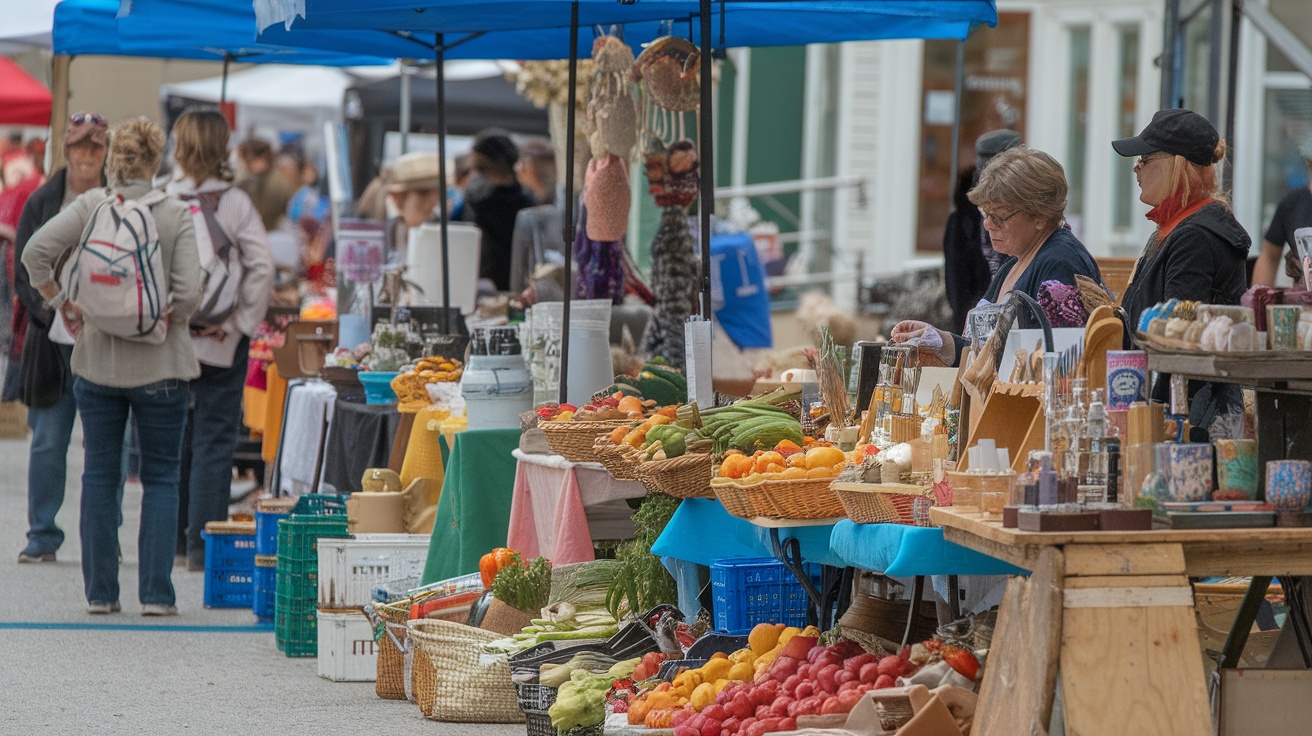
[160, 411]
[213, 426]
[47, 472]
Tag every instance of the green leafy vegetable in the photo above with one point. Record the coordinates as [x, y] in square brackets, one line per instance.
[641, 581]
[525, 588]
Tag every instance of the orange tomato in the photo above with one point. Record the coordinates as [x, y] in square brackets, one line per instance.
[787, 447]
[797, 460]
[820, 472]
[824, 457]
[773, 468]
[770, 458]
[793, 473]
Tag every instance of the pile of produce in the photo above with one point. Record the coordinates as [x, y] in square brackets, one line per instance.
[784, 673]
[412, 385]
[656, 381]
[581, 701]
[610, 408]
[748, 425]
[786, 461]
[641, 582]
[570, 600]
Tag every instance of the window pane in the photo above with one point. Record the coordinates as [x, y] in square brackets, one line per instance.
[1288, 118]
[1077, 121]
[1123, 188]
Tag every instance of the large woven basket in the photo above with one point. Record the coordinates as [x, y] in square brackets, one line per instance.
[617, 459]
[574, 441]
[802, 499]
[467, 685]
[686, 476]
[886, 503]
[391, 632]
[734, 499]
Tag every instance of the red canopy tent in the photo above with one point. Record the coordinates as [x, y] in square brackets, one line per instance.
[23, 100]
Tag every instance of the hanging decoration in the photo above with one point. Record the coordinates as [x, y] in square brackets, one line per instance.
[612, 117]
[672, 181]
[668, 71]
[601, 263]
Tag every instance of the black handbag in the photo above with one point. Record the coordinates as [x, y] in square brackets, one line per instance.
[45, 370]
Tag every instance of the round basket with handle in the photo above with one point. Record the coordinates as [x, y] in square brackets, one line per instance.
[575, 441]
[462, 682]
[885, 503]
[686, 476]
[617, 459]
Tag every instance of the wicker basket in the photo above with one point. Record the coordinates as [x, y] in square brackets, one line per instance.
[502, 618]
[886, 503]
[617, 459]
[467, 685]
[811, 498]
[574, 441]
[686, 476]
[391, 632]
[734, 498]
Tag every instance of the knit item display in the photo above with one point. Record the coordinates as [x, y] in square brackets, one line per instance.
[612, 115]
[674, 281]
[606, 197]
[601, 270]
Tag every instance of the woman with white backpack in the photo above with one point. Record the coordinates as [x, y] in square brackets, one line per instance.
[239, 271]
[121, 268]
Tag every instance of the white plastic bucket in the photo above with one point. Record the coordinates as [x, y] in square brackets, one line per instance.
[497, 389]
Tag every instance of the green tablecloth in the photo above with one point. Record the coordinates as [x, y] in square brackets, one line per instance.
[474, 510]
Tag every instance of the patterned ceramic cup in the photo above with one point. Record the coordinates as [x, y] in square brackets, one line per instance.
[1288, 485]
[1190, 477]
[1236, 470]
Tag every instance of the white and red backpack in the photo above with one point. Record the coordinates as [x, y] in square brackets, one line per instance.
[116, 274]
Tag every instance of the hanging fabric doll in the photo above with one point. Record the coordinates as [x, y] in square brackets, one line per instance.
[602, 272]
[674, 268]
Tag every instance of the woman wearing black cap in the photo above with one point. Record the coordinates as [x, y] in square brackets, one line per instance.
[1199, 249]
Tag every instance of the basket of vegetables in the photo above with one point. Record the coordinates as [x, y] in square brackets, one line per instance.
[686, 476]
[619, 460]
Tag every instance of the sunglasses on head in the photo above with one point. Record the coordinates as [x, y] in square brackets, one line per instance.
[88, 117]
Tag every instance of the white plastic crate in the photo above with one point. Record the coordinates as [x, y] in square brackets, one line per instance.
[349, 569]
[347, 651]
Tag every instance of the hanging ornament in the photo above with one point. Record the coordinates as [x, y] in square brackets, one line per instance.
[668, 71]
[602, 273]
[674, 282]
[612, 114]
[606, 195]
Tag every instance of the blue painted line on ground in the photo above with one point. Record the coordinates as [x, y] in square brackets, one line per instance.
[47, 626]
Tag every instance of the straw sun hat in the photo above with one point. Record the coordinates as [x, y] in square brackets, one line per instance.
[414, 171]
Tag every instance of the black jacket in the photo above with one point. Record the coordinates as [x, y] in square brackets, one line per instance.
[1202, 259]
[45, 370]
[966, 274]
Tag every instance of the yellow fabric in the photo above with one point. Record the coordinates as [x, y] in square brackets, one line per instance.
[423, 454]
[253, 406]
[276, 396]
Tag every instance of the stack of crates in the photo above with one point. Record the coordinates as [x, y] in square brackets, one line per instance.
[297, 587]
[267, 513]
[229, 563]
[752, 591]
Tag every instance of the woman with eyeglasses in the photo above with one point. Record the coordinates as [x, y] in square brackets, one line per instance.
[1022, 196]
[1198, 251]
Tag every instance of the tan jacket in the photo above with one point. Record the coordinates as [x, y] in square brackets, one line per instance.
[106, 359]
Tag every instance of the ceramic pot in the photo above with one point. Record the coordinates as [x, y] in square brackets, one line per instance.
[1190, 478]
[1289, 485]
[1236, 470]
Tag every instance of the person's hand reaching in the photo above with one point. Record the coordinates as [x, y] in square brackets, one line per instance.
[928, 338]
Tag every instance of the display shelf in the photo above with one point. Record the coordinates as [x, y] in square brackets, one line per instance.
[1267, 367]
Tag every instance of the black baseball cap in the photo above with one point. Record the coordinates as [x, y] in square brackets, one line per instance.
[1180, 132]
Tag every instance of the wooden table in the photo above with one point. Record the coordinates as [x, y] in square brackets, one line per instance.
[1112, 614]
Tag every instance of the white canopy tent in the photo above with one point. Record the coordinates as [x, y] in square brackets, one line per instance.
[26, 26]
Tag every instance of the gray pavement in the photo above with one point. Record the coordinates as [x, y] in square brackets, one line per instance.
[67, 672]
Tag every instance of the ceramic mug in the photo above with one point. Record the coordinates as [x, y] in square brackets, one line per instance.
[1236, 470]
[1190, 478]
[1282, 326]
[1289, 485]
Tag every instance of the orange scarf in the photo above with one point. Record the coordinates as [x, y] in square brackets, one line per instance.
[1169, 214]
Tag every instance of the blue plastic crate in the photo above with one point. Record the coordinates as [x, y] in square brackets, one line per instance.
[229, 551]
[753, 591]
[266, 531]
[232, 588]
[263, 589]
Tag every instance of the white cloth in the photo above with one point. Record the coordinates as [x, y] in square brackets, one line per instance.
[237, 215]
[309, 412]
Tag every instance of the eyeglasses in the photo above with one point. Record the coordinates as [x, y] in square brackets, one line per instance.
[88, 117]
[996, 219]
[1148, 158]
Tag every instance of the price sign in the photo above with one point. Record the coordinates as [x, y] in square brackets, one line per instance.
[360, 250]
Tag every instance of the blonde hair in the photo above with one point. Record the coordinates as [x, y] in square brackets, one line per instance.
[1024, 178]
[135, 149]
[200, 139]
[1192, 182]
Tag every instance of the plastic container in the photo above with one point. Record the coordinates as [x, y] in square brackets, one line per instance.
[297, 587]
[350, 569]
[266, 531]
[264, 587]
[752, 591]
[378, 386]
[226, 550]
[346, 647]
[496, 389]
[589, 346]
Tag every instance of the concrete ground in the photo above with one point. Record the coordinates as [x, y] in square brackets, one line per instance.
[206, 671]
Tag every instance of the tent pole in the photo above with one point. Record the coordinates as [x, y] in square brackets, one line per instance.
[404, 123]
[223, 85]
[706, 157]
[58, 109]
[956, 118]
[440, 75]
[570, 104]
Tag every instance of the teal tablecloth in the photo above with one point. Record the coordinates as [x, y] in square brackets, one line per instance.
[702, 532]
[474, 510]
[904, 551]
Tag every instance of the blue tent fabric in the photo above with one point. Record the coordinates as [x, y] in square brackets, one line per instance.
[701, 531]
[539, 29]
[92, 27]
[903, 551]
